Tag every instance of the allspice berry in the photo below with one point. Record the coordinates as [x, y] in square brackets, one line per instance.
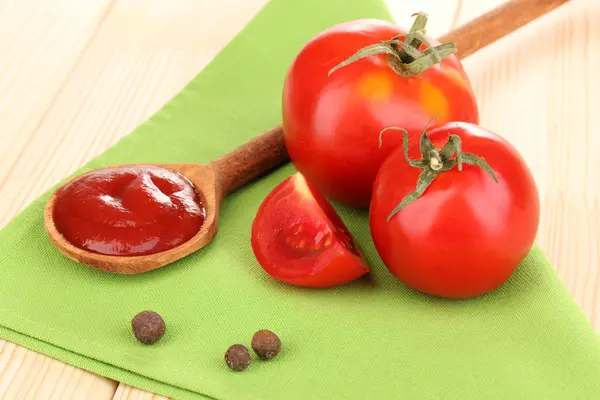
[237, 357]
[148, 327]
[266, 344]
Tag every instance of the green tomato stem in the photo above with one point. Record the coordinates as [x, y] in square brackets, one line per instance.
[435, 162]
[404, 56]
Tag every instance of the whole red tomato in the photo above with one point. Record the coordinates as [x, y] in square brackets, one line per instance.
[298, 238]
[466, 233]
[332, 122]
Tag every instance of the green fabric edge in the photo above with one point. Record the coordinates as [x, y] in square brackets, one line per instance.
[99, 367]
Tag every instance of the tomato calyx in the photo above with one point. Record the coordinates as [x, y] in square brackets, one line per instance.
[404, 56]
[434, 162]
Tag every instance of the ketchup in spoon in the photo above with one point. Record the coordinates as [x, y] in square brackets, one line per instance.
[128, 211]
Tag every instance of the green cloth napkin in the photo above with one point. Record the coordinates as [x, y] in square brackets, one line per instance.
[371, 339]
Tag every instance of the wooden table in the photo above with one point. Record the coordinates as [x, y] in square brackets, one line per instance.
[75, 76]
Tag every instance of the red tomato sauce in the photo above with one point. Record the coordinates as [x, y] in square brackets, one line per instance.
[128, 211]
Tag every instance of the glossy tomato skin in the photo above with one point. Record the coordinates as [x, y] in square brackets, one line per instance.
[466, 234]
[298, 238]
[332, 123]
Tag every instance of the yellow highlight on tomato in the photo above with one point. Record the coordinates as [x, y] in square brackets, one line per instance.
[375, 86]
[302, 188]
[457, 78]
[433, 101]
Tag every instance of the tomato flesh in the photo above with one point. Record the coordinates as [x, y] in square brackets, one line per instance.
[332, 123]
[466, 234]
[298, 238]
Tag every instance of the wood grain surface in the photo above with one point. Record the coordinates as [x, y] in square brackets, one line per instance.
[75, 76]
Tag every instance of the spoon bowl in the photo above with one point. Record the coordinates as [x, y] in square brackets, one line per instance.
[204, 181]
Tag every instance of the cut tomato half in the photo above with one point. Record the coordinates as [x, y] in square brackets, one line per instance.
[298, 238]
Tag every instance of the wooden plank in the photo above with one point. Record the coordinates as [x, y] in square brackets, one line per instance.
[143, 54]
[538, 88]
[126, 392]
[25, 374]
[467, 10]
[40, 43]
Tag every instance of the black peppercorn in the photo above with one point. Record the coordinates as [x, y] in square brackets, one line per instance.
[237, 357]
[148, 327]
[266, 344]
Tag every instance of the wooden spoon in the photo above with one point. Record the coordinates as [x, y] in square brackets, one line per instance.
[212, 181]
[215, 180]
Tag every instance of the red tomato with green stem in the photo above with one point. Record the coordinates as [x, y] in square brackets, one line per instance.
[332, 121]
[298, 238]
[454, 230]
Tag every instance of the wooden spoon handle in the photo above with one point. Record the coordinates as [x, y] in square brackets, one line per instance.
[267, 151]
[250, 160]
[497, 23]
